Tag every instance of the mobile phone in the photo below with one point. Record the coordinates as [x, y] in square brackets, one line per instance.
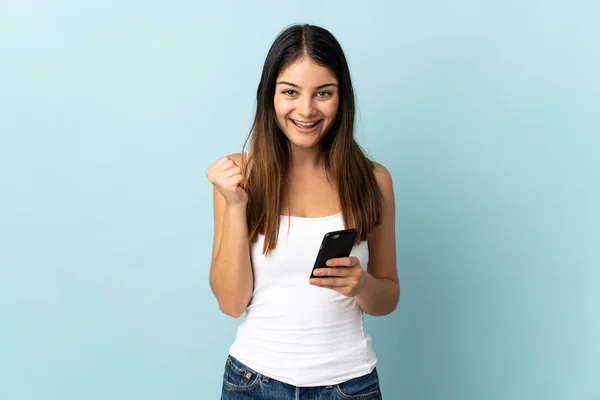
[335, 244]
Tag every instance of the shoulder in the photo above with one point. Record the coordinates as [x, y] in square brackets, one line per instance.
[383, 177]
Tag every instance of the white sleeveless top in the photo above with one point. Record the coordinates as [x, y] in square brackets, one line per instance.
[295, 332]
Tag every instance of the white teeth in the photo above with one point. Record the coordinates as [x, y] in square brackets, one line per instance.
[305, 124]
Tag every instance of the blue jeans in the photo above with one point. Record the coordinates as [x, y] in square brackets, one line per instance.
[242, 383]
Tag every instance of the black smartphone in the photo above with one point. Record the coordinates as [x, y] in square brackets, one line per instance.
[335, 244]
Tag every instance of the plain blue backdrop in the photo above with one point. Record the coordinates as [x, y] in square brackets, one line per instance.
[486, 114]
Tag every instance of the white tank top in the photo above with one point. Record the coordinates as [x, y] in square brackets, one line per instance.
[295, 332]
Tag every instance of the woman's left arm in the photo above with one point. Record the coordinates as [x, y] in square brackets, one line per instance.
[380, 292]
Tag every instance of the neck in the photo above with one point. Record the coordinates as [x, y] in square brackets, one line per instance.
[302, 159]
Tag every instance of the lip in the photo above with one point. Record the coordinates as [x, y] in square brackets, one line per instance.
[304, 129]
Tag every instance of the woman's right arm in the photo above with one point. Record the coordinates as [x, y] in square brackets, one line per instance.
[231, 278]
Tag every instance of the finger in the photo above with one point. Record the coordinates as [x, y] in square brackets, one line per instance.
[232, 172]
[331, 272]
[328, 282]
[237, 179]
[343, 262]
[219, 162]
[226, 165]
[234, 183]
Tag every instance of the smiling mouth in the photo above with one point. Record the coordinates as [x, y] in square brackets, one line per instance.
[305, 124]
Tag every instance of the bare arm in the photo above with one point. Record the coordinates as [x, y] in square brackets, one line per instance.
[231, 277]
[381, 290]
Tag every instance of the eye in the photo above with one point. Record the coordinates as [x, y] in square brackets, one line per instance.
[289, 92]
[324, 93]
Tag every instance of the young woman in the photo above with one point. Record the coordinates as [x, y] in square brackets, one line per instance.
[303, 176]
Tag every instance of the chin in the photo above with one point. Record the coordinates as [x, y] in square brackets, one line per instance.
[305, 141]
[305, 144]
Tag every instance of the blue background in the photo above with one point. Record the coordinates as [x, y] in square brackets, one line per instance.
[486, 114]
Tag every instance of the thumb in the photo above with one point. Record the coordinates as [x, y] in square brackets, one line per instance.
[240, 187]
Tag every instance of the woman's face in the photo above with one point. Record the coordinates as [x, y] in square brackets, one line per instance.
[306, 102]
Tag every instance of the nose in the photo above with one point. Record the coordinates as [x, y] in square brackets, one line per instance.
[306, 108]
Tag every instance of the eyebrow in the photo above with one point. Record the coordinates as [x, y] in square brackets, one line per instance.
[296, 86]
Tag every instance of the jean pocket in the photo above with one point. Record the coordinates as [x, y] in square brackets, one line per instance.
[238, 376]
[362, 388]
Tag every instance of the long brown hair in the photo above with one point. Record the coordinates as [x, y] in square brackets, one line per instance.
[269, 159]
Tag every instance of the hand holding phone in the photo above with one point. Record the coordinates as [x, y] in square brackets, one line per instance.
[335, 244]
